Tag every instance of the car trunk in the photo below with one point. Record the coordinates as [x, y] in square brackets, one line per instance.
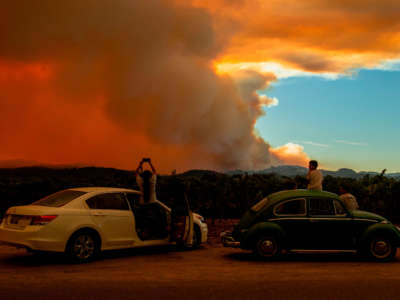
[19, 217]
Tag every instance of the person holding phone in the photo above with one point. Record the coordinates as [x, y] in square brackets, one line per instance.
[146, 180]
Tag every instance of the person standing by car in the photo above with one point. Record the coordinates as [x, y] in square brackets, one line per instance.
[348, 199]
[182, 227]
[146, 180]
[314, 176]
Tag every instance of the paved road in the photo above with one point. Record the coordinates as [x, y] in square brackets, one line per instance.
[210, 272]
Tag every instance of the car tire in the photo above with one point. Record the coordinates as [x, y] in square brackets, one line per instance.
[267, 247]
[196, 241]
[83, 246]
[380, 248]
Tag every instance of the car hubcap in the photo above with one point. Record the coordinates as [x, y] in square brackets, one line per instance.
[267, 247]
[381, 248]
[84, 246]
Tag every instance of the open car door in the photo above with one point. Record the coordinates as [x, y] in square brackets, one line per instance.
[182, 222]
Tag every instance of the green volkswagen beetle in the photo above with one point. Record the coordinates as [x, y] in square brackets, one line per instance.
[312, 220]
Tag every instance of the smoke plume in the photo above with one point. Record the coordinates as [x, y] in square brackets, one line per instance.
[108, 82]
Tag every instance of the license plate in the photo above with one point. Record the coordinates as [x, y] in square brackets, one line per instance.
[20, 221]
[24, 221]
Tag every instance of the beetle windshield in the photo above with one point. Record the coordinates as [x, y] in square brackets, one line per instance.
[259, 205]
[59, 199]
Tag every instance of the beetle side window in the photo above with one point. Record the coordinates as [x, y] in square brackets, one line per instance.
[340, 211]
[321, 207]
[108, 201]
[295, 207]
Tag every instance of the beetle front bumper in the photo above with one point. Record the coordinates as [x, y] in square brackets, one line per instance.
[228, 241]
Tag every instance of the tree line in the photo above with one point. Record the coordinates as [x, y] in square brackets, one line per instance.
[212, 194]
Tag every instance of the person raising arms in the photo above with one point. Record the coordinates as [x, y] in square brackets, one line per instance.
[146, 180]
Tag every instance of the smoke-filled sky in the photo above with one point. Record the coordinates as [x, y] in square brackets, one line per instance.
[191, 84]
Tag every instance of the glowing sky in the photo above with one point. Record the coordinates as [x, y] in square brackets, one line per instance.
[218, 84]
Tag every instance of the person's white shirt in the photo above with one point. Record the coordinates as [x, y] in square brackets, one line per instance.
[349, 201]
[153, 181]
[315, 179]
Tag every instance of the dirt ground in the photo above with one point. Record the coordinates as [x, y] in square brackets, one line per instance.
[210, 272]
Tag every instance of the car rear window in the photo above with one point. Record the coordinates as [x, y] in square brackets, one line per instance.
[291, 207]
[59, 199]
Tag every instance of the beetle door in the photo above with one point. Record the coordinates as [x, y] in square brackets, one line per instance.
[330, 225]
[291, 215]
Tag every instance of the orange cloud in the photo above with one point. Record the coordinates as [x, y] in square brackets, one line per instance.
[311, 35]
[107, 84]
[292, 154]
[17, 70]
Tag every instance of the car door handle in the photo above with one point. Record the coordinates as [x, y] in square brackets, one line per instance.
[98, 214]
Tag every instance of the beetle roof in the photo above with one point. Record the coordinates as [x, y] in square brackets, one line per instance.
[275, 197]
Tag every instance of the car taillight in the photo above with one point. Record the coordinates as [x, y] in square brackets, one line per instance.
[42, 220]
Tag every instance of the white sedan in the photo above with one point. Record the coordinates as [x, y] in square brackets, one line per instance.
[84, 221]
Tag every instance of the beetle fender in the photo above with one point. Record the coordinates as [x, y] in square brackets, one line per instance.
[263, 229]
[380, 229]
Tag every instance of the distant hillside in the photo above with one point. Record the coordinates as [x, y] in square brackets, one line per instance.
[291, 171]
[212, 194]
[21, 163]
[198, 173]
[284, 170]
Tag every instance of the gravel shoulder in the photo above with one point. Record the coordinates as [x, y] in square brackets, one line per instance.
[210, 272]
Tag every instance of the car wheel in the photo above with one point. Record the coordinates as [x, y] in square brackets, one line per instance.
[83, 246]
[381, 248]
[267, 246]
